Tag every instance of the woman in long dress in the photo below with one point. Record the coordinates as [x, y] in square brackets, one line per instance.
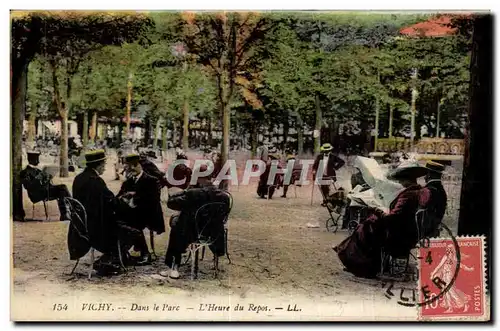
[454, 298]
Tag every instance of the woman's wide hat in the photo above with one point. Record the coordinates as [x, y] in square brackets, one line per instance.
[95, 156]
[411, 170]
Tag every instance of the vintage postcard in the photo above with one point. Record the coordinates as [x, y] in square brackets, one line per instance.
[251, 166]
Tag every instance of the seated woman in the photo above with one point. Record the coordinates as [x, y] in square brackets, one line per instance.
[395, 232]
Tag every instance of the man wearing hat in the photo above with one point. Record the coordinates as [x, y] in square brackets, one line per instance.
[395, 232]
[180, 172]
[331, 163]
[182, 226]
[104, 227]
[263, 187]
[141, 194]
[151, 169]
[37, 183]
[296, 172]
[433, 197]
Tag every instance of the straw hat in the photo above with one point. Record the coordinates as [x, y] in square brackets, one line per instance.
[95, 156]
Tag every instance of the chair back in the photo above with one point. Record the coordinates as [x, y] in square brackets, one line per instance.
[210, 219]
[422, 230]
[78, 217]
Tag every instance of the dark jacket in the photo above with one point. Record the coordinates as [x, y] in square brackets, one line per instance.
[152, 170]
[189, 203]
[181, 171]
[148, 212]
[101, 206]
[334, 164]
[433, 199]
[36, 182]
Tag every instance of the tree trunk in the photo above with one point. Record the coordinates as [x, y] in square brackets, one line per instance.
[391, 115]
[477, 185]
[147, 130]
[174, 133]
[85, 131]
[209, 131]
[318, 125]
[120, 132]
[438, 117]
[129, 106]
[93, 127]
[226, 124]
[63, 110]
[30, 139]
[300, 135]
[63, 164]
[255, 138]
[185, 126]
[286, 128]
[156, 135]
[164, 136]
[377, 116]
[18, 104]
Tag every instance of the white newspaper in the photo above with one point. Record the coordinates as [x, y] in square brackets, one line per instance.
[383, 191]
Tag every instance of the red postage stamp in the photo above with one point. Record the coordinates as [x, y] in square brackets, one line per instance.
[452, 279]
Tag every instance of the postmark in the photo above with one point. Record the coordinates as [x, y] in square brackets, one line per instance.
[464, 276]
[415, 290]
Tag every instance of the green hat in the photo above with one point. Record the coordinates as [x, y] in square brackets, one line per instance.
[326, 148]
[132, 158]
[95, 156]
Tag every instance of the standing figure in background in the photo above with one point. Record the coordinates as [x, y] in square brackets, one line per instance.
[38, 184]
[264, 188]
[331, 163]
[297, 170]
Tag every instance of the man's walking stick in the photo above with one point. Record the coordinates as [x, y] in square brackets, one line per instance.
[312, 192]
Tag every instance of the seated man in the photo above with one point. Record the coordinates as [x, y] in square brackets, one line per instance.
[181, 171]
[394, 232]
[37, 183]
[142, 197]
[433, 198]
[182, 226]
[104, 227]
[151, 169]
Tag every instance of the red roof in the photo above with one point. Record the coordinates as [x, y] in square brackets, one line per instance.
[435, 27]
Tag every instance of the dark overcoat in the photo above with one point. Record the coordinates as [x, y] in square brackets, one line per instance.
[148, 212]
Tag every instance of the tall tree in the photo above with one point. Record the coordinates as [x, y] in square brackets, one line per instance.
[34, 32]
[477, 189]
[230, 46]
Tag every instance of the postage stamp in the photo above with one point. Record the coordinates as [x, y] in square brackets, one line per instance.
[453, 282]
[249, 166]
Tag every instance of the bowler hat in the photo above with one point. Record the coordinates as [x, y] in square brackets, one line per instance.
[95, 156]
[132, 158]
[408, 171]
